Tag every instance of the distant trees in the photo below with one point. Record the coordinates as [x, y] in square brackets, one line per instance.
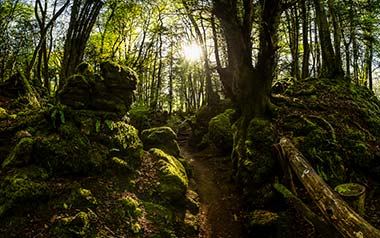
[245, 45]
[338, 35]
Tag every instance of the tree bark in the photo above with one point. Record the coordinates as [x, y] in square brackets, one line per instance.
[335, 210]
[331, 62]
[305, 40]
[82, 19]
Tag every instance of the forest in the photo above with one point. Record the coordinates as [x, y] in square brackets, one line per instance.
[190, 118]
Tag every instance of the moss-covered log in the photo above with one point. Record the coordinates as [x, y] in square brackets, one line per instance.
[335, 210]
[325, 229]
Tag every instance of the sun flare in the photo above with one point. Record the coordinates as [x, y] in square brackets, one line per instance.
[192, 52]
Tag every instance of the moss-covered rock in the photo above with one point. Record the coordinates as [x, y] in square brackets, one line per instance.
[141, 116]
[125, 143]
[173, 181]
[200, 121]
[20, 155]
[76, 92]
[23, 186]
[112, 91]
[219, 131]
[67, 156]
[73, 226]
[163, 138]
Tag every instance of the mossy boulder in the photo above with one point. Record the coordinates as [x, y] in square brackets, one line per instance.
[200, 121]
[220, 132]
[173, 180]
[67, 156]
[124, 143]
[111, 91]
[163, 138]
[23, 186]
[85, 69]
[13, 87]
[21, 154]
[76, 92]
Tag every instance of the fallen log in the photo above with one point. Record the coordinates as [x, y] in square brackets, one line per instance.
[348, 223]
[324, 228]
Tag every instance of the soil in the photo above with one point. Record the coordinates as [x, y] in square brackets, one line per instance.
[220, 213]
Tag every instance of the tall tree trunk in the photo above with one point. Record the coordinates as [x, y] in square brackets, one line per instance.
[305, 40]
[337, 33]
[224, 76]
[369, 43]
[266, 59]
[82, 19]
[293, 31]
[171, 75]
[331, 63]
[239, 53]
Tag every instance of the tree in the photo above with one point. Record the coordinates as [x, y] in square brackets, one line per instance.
[251, 86]
[305, 40]
[82, 20]
[41, 51]
[211, 97]
[331, 61]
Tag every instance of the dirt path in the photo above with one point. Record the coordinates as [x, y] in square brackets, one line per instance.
[219, 209]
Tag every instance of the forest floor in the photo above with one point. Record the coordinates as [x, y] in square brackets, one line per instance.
[220, 212]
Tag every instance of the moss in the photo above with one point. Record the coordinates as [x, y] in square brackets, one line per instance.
[163, 138]
[76, 92]
[3, 113]
[119, 164]
[81, 197]
[173, 181]
[130, 207]
[73, 226]
[68, 153]
[21, 154]
[85, 69]
[219, 131]
[125, 143]
[22, 186]
[256, 167]
[139, 115]
[159, 214]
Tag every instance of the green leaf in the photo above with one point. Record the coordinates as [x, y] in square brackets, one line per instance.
[109, 124]
[97, 126]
